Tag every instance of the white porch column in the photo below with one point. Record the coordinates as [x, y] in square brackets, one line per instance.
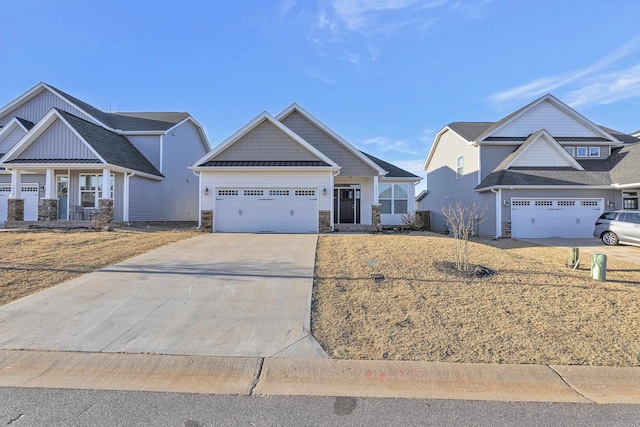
[106, 184]
[16, 184]
[376, 201]
[50, 190]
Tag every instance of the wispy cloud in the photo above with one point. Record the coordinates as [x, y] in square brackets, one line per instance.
[608, 88]
[383, 144]
[593, 82]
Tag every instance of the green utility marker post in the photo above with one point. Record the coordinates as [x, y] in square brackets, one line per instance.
[599, 267]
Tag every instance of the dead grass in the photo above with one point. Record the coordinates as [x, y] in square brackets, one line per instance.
[35, 260]
[534, 310]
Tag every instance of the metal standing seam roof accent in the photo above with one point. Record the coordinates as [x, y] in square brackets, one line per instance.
[41, 161]
[265, 163]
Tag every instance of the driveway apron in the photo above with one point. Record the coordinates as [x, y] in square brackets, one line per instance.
[215, 295]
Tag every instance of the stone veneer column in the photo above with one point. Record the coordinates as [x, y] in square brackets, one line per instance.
[15, 210]
[105, 213]
[206, 221]
[506, 229]
[324, 221]
[375, 217]
[48, 210]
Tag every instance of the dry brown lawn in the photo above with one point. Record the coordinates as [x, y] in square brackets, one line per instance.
[35, 260]
[533, 311]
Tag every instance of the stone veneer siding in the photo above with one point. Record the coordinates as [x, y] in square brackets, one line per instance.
[206, 221]
[105, 207]
[506, 229]
[324, 221]
[48, 210]
[375, 217]
[15, 210]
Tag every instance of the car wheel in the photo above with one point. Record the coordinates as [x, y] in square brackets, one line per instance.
[609, 238]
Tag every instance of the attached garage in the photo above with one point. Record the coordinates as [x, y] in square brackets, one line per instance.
[30, 196]
[540, 218]
[278, 210]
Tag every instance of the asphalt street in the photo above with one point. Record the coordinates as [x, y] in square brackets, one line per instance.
[56, 407]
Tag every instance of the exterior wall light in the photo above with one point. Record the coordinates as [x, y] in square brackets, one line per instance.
[506, 203]
[206, 191]
[324, 191]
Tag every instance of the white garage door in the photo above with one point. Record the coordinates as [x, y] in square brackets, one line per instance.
[279, 210]
[539, 218]
[30, 196]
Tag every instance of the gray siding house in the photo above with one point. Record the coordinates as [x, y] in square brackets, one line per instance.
[292, 173]
[543, 171]
[62, 159]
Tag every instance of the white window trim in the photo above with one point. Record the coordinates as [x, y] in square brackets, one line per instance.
[594, 155]
[393, 198]
[586, 152]
[97, 191]
[459, 167]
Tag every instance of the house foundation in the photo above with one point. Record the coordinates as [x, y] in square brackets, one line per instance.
[15, 210]
[48, 210]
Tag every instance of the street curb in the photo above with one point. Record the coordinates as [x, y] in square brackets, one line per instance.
[319, 377]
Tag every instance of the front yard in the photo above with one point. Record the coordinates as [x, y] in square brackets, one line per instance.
[35, 260]
[534, 310]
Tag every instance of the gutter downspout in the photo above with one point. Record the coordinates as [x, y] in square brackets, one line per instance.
[498, 194]
[125, 207]
[199, 175]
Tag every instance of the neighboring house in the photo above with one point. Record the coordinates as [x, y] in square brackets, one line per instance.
[58, 154]
[542, 171]
[291, 173]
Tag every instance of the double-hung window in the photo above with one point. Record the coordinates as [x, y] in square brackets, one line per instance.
[394, 198]
[459, 167]
[91, 190]
[582, 151]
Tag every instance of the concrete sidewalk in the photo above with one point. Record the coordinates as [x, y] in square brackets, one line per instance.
[319, 377]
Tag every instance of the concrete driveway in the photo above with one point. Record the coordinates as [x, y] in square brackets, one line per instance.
[214, 295]
[592, 246]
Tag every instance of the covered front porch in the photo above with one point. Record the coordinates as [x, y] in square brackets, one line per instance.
[355, 203]
[57, 194]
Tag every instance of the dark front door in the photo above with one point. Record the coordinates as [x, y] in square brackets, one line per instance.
[346, 205]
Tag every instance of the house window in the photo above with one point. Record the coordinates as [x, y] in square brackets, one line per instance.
[571, 151]
[91, 190]
[594, 152]
[394, 198]
[582, 151]
[459, 167]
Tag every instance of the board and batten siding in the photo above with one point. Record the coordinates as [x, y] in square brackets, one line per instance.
[444, 189]
[545, 116]
[266, 142]
[351, 164]
[57, 142]
[176, 197]
[38, 106]
[149, 146]
[266, 179]
[11, 138]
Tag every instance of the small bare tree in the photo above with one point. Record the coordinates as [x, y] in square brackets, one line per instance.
[463, 222]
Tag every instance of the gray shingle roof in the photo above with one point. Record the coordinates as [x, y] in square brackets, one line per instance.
[470, 130]
[26, 123]
[128, 121]
[619, 168]
[113, 148]
[393, 171]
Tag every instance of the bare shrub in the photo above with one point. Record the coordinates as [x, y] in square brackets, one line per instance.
[412, 221]
[463, 223]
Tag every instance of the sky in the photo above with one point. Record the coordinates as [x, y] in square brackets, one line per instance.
[384, 74]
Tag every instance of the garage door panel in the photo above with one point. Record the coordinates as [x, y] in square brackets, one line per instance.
[30, 196]
[540, 218]
[281, 210]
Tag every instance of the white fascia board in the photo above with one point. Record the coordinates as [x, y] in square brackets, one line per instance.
[203, 134]
[326, 129]
[436, 140]
[250, 126]
[35, 90]
[625, 186]
[10, 126]
[560, 105]
[554, 144]
[400, 179]
[39, 129]
[136, 132]
[81, 166]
